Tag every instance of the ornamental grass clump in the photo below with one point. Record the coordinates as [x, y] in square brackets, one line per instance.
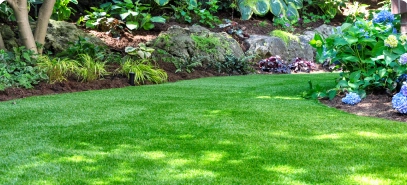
[351, 98]
[399, 100]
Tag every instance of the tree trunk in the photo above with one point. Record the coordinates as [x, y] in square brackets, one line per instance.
[42, 22]
[2, 46]
[21, 12]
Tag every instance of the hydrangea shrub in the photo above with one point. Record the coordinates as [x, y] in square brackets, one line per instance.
[371, 54]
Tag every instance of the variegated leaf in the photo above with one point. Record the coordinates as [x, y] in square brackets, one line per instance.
[245, 11]
[261, 7]
[162, 2]
[297, 3]
[277, 7]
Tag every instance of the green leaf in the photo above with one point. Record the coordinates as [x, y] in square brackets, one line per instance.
[162, 2]
[389, 57]
[342, 83]
[261, 7]
[132, 25]
[332, 93]
[339, 41]
[350, 58]
[297, 3]
[158, 19]
[193, 3]
[382, 72]
[351, 40]
[354, 76]
[291, 12]
[245, 11]
[277, 7]
[124, 15]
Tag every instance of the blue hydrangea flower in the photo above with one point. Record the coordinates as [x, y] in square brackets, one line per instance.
[351, 98]
[383, 16]
[399, 102]
[403, 90]
[403, 59]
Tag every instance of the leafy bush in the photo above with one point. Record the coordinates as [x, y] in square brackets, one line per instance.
[368, 53]
[135, 15]
[191, 13]
[234, 65]
[328, 7]
[62, 11]
[18, 69]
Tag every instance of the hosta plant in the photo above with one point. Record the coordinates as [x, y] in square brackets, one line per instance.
[369, 54]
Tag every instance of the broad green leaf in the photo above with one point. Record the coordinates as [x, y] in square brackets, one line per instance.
[72, 1]
[132, 25]
[399, 50]
[345, 26]
[382, 72]
[261, 7]
[332, 93]
[367, 40]
[354, 76]
[277, 7]
[124, 15]
[129, 49]
[351, 59]
[389, 57]
[193, 3]
[158, 19]
[245, 11]
[342, 83]
[339, 41]
[291, 12]
[297, 3]
[353, 85]
[162, 2]
[351, 40]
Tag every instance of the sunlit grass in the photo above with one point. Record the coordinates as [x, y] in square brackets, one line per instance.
[223, 130]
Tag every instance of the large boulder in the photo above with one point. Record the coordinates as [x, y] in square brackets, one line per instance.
[264, 46]
[60, 34]
[195, 43]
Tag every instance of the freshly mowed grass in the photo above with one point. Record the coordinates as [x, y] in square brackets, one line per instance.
[223, 130]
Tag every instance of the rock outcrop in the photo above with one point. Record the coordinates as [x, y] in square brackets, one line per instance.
[195, 43]
[264, 46]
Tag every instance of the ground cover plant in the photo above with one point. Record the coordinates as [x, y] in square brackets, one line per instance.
[252, 129]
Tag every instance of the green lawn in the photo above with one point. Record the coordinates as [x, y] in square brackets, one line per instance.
[223, 130]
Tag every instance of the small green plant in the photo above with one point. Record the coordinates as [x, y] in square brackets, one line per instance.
[191, 13]
[18, 69]
[143, 71]
[262, 24]
[135, 14]
[57, 69]
[84, 46]
[311, 17]
[141, 51]
[90, 69]
[234, 65]
[62, 11]
[186, 64]
[318, 92]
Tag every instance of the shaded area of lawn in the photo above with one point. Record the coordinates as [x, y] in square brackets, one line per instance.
[222, 130]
